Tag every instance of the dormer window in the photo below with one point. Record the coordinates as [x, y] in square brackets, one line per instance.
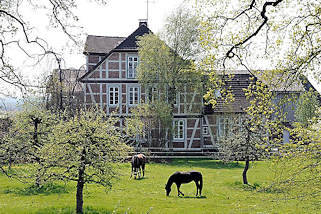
[132, 62]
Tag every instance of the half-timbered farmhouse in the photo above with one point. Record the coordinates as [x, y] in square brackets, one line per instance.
[110, 82]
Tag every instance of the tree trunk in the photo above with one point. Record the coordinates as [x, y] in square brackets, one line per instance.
[171, 99]
[60, 89]
[247, 159]
[79, 194]
[247, 164]
[170, 139]
[36, 121]
[80, 184]
[10, 159]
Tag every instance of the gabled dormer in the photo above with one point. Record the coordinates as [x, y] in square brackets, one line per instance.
[96, 48]
[120, 60]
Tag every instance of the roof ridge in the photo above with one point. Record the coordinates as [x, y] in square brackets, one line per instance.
[131, 35]
[107, 36]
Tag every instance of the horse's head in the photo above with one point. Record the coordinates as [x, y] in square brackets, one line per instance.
[168, 190]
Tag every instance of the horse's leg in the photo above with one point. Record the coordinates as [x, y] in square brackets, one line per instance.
[178, 191]
[178, 186]
[197, 187]
[143, 168]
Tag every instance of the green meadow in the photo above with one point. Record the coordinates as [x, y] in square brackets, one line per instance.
[222, 192]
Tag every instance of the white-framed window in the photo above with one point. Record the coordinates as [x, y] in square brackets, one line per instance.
[133, 95]
[217, 93]
[177, 99]
[179, 129]
[223, 125]
[286, 136]
[113, 95]
[132, 62]
[152, 94]
[205, 130]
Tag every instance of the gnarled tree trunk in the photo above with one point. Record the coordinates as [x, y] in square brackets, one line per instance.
[247, 159]
[80, 184]
[247, 164]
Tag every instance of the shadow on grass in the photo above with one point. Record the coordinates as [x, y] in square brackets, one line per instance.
[196, 197]
[256, 187]
[138, 179]
[71, 210]
[204, 163]
[246, 187]
[46, 189]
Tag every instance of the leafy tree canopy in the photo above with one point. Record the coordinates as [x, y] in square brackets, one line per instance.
[84, 148]
[277, 42]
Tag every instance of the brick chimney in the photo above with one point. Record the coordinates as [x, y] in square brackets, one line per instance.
[142, 22]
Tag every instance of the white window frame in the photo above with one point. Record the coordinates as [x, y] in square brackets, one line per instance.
[113, 96]
[222, 123]
[134, 93]
[179, 130]
[205, 131]
[177, 99]
[152, 94]
[132, 66]
[217, 93]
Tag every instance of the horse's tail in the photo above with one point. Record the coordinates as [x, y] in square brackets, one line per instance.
[133, 161]
[133, 166]
[136, 161]
[201, 183]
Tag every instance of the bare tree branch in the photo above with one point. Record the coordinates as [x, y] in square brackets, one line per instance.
[230, 53]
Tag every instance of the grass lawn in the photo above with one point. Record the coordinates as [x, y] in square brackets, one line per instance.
[222, 193]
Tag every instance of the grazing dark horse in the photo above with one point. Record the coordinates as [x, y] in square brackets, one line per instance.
[182, 178]
[138, 165]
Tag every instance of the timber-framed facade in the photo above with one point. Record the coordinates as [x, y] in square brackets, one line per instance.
[110, 82]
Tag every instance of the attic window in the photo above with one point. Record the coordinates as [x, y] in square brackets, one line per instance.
[217, 93]
[132, 62]
[205, 130]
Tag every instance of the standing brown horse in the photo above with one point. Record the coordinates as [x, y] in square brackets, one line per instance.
[138, 165]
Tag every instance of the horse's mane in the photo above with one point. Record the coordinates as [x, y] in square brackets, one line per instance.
[170, 180]
[141, 156]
